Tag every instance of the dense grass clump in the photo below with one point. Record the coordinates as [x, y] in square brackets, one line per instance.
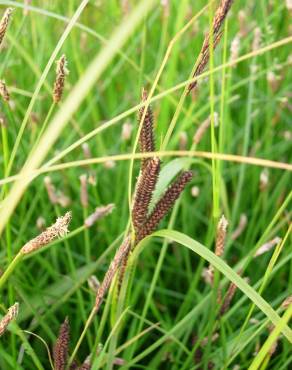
[147, 232]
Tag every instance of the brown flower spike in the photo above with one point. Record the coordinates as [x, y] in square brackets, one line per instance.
[4, 23]
[145, 187]
[58, 229]
[146, 138]
[61, 72]
[143, 223]
[61, 348]
[11, 315]
[164, 205]
[204, 56]
[4, 92]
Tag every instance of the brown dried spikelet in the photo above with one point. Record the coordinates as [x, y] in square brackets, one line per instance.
[11, 315]
[145, 187]
[122, 251]
[287, 302]
[51, 190]
[201, 130]
[204, 56]
[228, 298]
[164, 205]
[99, 213]
[240, 228]
[58, 229]
[4, 92]
[146, 138]
[83, 191]
[221, 235]
[4, 23]
[61, 72]
[61, 347]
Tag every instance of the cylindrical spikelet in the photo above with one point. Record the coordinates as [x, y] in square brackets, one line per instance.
[204, 56]
[201, 130]
[240, 228]
[51, 190]
[83, 191]
[146, 138]
[58, 229]
[115, 264]
[4, 92]
[61, 72]
[164, 205]
[4, 23]
[228, 298]
[99, 213]
[61, 348]
[11, 315]
[145, 187]
[221, 235]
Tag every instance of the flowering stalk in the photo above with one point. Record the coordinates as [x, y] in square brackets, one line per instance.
[61, 72]
[59, 229]
[11, 315]
[4, 23]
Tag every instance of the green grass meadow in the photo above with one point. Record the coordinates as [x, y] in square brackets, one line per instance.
[166, 316]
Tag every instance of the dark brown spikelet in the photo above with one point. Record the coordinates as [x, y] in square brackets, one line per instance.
[4, 23]
[145, 187]
[164, 205]
[146, 138]
[204, 56]
[61, 348]
[61, 72]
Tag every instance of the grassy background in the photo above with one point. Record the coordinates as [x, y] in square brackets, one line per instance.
[167, 287]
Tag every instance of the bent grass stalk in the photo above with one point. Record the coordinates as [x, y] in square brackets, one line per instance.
[170, 153]
[157, 97]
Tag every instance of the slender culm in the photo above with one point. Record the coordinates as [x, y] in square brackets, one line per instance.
[6, 320]
[61, 72]
[61, 347]
[145, 187]
[164, 205]
[4, 23]
[146, 138]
